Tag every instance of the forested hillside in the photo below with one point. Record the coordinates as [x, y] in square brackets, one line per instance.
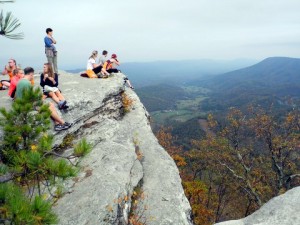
[235, 137]
[273, 81]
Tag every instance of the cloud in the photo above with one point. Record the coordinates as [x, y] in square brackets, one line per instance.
[154, 30]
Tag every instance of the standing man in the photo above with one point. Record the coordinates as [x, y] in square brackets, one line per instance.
[50, 49]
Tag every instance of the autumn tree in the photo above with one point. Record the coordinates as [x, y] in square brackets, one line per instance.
[280, 139]
[255, 151]
[166, 140]
[195, 190]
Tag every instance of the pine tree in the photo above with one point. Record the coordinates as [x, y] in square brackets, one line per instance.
[28, 162]
[8, 24]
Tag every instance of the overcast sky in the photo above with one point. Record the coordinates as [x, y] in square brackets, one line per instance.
[139, 30]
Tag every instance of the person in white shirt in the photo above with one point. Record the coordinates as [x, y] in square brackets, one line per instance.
[92, 69]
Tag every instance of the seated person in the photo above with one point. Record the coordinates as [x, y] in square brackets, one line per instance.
[109, 67]
[92, 68]
[49, 82]
[18, 74]
[25, 83]
[8, 70]
[103, 58]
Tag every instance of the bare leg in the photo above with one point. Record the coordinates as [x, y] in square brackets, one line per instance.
[5, 83]
[128, 82]
[104, 72]
[54, 97]
[54, 115]
[59, 95]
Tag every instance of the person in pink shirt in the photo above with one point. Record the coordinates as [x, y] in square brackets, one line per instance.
[17, 75]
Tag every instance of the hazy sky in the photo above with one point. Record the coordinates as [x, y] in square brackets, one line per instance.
[139, 30]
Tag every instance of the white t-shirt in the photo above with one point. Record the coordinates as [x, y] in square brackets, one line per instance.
[90, 63]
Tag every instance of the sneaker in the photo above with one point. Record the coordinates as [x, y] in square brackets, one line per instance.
[67, 125]
[62, 104]
[58, 127]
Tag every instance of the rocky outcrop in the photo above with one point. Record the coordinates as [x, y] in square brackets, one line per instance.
[281, 210]
[126, 159]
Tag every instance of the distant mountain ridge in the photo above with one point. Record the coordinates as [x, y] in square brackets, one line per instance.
[273, 71]
[176, 71]
[271, 81]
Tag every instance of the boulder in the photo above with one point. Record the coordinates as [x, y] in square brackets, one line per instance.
[281, 210]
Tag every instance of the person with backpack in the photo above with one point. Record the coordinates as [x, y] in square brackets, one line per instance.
[109, 67]
[110, 64]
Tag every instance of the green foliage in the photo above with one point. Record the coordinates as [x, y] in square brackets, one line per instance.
[25, 122]
[8, 24]
[187, 131]
[41, 211]
[82, 148]
[17, 209]
[26, 154]
[66, 143]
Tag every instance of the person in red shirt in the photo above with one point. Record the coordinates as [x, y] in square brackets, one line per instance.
[8, 70]
[17, 75]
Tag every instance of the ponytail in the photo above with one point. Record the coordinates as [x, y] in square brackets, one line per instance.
[94, 53]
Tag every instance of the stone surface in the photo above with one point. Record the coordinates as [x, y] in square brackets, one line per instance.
[281, 210]
[126, 155]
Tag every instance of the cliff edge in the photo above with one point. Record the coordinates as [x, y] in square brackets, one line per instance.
[281, 210]
[127, 174]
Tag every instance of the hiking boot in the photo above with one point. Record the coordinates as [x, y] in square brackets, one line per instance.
[58, 127]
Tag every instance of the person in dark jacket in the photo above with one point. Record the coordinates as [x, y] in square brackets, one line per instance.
[49, 82]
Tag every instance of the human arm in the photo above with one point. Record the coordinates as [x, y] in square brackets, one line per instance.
[54, 80]
[117, 62]
[53, 40]
[42, 80]
[95, 65]
[4, 72]
[48, 42]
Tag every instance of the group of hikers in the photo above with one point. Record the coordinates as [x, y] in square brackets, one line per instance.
[20, 79]
[104, 68]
